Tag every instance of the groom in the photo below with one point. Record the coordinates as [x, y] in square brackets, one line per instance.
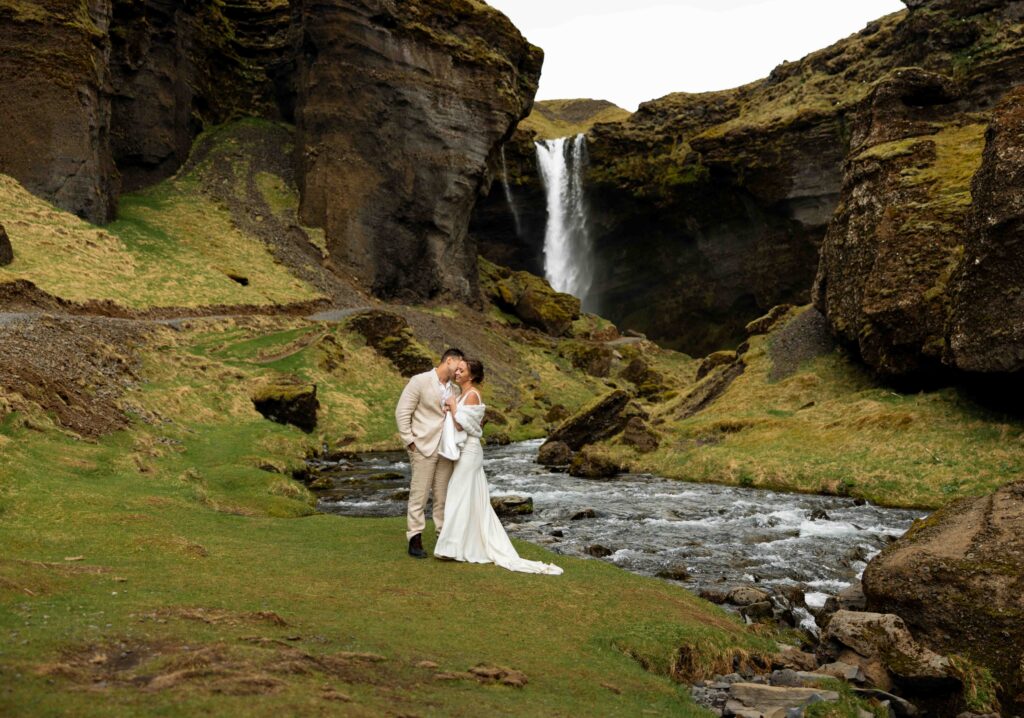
[420, 416]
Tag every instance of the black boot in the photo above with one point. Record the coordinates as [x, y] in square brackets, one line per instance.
[416, 547]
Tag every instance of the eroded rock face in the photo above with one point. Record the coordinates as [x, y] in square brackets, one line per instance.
[957, 580]
[56, 108]
[987, 323]
[6, 250]
[438, 84]
[400, 108]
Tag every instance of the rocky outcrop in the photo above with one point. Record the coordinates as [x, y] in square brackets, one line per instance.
[400, 107]
[439, 85]
[986, 332]
[709, 209]
[600, 420]
[391, 337]
[957, 580]
[530, 299]
[288, 402]
[54, 88]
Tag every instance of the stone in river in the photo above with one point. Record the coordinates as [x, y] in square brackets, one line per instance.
[746, 595]
[554, 453]
[677, 572]
[598, 551]
[584, 514]
[512, 505]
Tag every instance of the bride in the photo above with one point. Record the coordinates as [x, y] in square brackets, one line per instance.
[471, 530]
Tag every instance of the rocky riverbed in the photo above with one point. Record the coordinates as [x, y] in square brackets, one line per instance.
[707, 537]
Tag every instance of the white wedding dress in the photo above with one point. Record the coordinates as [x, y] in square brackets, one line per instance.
[472, 531]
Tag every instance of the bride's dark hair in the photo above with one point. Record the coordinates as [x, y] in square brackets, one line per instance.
[476, 370]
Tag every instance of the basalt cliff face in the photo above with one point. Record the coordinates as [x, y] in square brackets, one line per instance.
[399, 107]
[707, 209]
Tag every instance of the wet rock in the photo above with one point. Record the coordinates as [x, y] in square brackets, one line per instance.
[589, 464]
[529, 298]
[400, 495]
[321, 483]
[758, 611]
[584, 514]
[6, 251]
[602, 419]
[850, 598]
[292, 403]
[955, 578]
[499, 438]
[512, 505]
[390, 336]
[747, 595]
[677, 572]
[386, 476]
[637, 435]
[338, 456]
[819, 515]
[598, 551]
[886, 637]
[554, 453]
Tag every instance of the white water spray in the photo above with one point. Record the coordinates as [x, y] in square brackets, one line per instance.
[567, 251]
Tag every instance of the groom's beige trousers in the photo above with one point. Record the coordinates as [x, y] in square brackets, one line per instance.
[430, 474]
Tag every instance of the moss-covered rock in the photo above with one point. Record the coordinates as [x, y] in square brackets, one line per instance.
[592, 358]
[639, 436]
[6, 251]
[591, 464]
[288, 401]
[648, 381]
[512, 505]
[554, 453]
[600, 420]
[529, 298]
[956, 579]
[390, 335]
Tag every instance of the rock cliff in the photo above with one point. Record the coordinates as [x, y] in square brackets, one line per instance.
[709, 208]
[400, 109]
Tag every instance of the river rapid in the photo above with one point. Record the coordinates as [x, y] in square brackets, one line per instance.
[719, 535]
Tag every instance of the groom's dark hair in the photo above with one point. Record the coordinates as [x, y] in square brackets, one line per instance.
[452, 353]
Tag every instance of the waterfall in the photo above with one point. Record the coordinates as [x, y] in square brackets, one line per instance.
[567, 252]
[508, 194]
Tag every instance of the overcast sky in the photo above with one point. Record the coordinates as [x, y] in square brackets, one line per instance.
[628, 51]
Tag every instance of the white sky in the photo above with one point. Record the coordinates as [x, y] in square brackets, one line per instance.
[629, 51]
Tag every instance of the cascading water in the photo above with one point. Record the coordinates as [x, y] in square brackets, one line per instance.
[567, 252]
[508, 195]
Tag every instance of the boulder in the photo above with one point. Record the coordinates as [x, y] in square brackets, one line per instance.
[499, 438]
[746, 595]
[556, 413]
[885, 636]
[288, 402]
[602, 419]
[529, 298]
[957, 579]
[598, 551]
[637, 435]
[512, 505]
[589, 464]
[493, 416]
[791, 657]
[767, 699]
[390, 336]
[676, 572]
[6, 251]
[649, 382]
[554, 453]
[708, 389]
[583, 514]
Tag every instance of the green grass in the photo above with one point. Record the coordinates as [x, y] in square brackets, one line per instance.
[186, 551]
[831, 428]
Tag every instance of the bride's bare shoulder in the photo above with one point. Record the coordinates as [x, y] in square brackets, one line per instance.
[473, 397]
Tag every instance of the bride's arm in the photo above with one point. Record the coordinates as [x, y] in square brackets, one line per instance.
[471, 400]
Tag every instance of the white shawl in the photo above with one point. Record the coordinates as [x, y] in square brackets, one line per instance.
[471, 418]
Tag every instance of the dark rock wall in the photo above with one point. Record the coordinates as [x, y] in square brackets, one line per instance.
[440, 85]
[55, 103]
[401, 108]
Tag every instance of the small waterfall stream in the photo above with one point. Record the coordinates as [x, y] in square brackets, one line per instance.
[567, 250]
[508, 195]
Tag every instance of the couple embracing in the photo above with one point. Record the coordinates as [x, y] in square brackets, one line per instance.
[440, 419]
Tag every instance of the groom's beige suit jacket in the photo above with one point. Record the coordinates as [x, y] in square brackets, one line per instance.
[419, 414]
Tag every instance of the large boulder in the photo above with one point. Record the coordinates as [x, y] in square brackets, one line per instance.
[600, 420]
[529, 298]
[957, 579]
[884, 636]
[590, 464]
[391, 337]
